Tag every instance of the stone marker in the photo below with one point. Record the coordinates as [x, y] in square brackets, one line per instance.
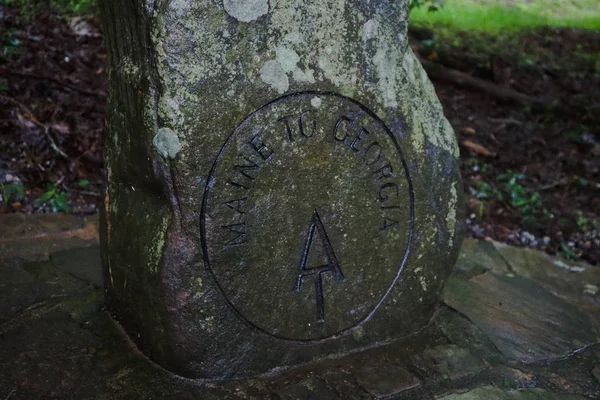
[282, 183]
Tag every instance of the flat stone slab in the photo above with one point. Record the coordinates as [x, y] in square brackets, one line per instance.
[514, 325]
[494, 393]
[531, 306]
[383, 379]
[34, 237]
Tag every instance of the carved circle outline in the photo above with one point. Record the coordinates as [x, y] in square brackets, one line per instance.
[210, 183]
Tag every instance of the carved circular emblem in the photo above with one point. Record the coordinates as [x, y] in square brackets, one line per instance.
[307, 216]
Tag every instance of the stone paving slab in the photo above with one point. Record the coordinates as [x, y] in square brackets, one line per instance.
[514, 324]
[34, 237]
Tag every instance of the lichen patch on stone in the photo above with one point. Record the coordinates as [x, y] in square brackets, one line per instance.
[319, 35]
[303, 76]
[370, 29]
[246, 10]
[167, 143]
[273, 75]
[155, 248]
[451, 217]
[168, 108]
[294, 37]
[287, 58]
[386, 59]
[424, 111]
[180, 6]
[316, 102]
[128, 67]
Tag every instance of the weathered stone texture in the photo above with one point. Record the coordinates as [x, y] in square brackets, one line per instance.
[196, 88]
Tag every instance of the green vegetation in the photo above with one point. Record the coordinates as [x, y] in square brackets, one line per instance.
[517, 195]
[12, 192]
[587, 224]
[567, 253]
[57, 200]
[67, 7]
[493, 15]
[9, 44]
[429, 5]
[510, 190]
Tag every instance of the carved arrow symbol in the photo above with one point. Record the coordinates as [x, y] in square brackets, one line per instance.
[332, 265]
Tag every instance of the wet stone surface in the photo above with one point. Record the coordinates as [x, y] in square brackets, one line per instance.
[384, 379]
[448, 361]
[56, 341]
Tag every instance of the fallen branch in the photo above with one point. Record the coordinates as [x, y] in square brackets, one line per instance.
[506, 121]
[33, 119]
[477, 148]
[439, 72]
[552, 185]
[57, 81]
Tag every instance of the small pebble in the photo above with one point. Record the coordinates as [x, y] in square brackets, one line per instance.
[588, 138]
[527, 237]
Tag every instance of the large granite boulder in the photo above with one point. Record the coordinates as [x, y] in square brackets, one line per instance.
[282, 183]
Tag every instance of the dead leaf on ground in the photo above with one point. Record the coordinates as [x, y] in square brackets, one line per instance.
[61, 127]
[81, 27]
[477, 148]
[25, 122]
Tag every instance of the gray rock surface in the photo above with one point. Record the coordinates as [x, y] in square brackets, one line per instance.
[77, 263]
[282, 183]
[448, 362]
[384, 379]
[493, 393]
[526, 301]
[59, 343]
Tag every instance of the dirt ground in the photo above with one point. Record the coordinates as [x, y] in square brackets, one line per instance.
[532, 175]
[52, 97]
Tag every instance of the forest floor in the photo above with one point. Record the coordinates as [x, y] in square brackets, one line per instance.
[532, 174]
